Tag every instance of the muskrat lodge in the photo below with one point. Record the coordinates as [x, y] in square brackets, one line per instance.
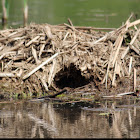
[39, 58]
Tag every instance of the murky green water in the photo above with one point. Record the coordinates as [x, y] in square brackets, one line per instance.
[76, 120]
[97, 13]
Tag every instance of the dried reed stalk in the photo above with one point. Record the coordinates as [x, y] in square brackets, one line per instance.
[35, 55]
[51, 75]
[6, 74]
[31, 41]
[130, 65]
[38, 67]
[135, 79]
[119, 39]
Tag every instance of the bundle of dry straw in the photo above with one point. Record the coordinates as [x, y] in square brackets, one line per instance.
[31, 57]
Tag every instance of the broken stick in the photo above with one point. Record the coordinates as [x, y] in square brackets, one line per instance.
[38, 67]
[135, 76]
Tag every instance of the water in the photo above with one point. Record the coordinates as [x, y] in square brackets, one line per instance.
[76, 120]
[96, 13]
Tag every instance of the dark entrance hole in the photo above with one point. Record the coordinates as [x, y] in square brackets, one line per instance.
[70, 77]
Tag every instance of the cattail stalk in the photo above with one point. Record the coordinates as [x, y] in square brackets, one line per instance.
[25, 12]
[5, 8]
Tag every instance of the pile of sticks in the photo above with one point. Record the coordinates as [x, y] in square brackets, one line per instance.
[30, 57]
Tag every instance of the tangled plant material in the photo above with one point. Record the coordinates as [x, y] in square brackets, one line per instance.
[38, 58]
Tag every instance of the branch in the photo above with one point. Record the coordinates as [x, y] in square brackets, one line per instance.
[38, 67]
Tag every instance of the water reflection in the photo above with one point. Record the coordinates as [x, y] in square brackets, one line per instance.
[48, 120]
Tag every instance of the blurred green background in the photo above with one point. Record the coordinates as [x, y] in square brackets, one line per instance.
[96, 13]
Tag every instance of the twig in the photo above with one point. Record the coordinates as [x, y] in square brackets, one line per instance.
[31, 41]
[134, 49]
[71, 27]
[48, 32]
[120, 39]
[121, 94]
[125, 52]
[135, 79]
[86, 28]
[134, 38]
[6, 74]
[38, 67]
[130, 65]
[41, 50]
[12, 48]
[35, 55]
[118, 95]
[114, 76]
[53, 96]
[7, 53]
[44, 83]
[111, 96]
[42, 47]
[43, 80]
[134, 23]
[102, 38]
[65, 36]
[93, 28]
[70, 22]
[106, 76]
[51, 73]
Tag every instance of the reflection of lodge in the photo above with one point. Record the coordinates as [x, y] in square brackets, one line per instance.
[44, 120]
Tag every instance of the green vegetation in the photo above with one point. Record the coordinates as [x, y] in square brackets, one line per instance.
[6, 4]
[105, 114]
[97, 13]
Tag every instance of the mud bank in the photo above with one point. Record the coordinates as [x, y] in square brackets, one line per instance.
[39, 58]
